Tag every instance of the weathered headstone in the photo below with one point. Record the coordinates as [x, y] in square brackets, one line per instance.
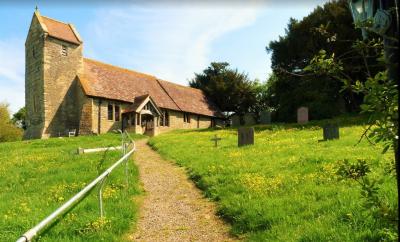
[249, 119]
[245, 136]
[302, 115]
[265, 117]
[331, 131]
[235, 120]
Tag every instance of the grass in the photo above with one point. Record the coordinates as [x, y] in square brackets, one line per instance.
[285, 187]
[38, 176]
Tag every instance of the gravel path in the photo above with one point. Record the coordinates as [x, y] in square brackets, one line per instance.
[173, 209]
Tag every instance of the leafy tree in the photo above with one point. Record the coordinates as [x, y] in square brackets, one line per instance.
[8, 131]
[19, 118]
[380, 100]
[230, 90]
[325, 28]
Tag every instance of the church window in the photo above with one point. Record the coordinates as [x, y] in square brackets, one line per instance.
[110, 111]
[64, 50]
[117, 112]
[166, 118]
[33, 52]
[186, 118]
[35, 104]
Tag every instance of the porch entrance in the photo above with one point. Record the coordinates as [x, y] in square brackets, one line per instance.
[147, 122]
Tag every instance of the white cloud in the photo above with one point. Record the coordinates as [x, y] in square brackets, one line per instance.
[12, 69]
[171, 43]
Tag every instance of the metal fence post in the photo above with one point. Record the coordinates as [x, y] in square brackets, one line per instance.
[101, 196]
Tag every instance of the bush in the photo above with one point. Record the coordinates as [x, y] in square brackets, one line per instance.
[8, 131]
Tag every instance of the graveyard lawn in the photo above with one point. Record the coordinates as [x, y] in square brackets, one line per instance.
[38, 176]
[285, 187]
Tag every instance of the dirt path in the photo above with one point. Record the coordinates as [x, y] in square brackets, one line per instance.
[173, 208]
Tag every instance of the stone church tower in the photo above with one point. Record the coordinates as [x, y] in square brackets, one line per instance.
[53, 59]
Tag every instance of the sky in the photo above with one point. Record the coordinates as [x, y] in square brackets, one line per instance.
[167, 39]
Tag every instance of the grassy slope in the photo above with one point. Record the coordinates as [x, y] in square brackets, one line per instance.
[284, 187]
[38, 176]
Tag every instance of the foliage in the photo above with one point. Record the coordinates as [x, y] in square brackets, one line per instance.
[286, 187]
[375, 203]
[230, 90]
[380, 102]
[325, 28]
[380, 93]
[8, 131]
[38, 176]
[19, 118]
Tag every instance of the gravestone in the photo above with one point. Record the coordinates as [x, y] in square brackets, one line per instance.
[331, 131]
[249, 119]
[235, 120]
[245, 136]
[302, 115]
[265, 117]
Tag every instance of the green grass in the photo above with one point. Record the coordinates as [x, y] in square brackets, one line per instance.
[284, 188]
[38, 176]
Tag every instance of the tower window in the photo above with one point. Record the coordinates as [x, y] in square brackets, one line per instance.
[64, 50]
[33, 52]
[110, 111]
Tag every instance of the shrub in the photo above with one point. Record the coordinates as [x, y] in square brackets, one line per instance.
[8, 131]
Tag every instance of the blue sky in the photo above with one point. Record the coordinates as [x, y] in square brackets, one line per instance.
[169, 41]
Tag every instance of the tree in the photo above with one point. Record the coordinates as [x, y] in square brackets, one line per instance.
[8, 131]
[19, 118]
[380, 100]
[230, 90]
[325, 28]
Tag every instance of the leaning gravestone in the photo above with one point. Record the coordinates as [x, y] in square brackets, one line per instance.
[245, 136]
[302, 115]
[331, 131]
[265, 117]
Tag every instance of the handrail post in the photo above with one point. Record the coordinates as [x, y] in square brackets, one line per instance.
[101, 196]
[34, 231]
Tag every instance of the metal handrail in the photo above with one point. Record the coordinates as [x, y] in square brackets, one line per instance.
[31, 233]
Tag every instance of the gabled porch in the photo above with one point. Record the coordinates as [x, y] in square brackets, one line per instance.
[142, 117]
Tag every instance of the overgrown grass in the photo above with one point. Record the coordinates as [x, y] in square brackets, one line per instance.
[285, 187]
[38, 176]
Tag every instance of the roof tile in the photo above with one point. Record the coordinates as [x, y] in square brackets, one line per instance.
[111, 82]
[60, 30]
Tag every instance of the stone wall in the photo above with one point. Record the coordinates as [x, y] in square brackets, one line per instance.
[85, 111]
[34, 98]
[176, 121]
[105, 124]
[60, 101]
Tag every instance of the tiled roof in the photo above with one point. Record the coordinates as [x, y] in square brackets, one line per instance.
[107, 81]
[111, 82]
[60, 30]
[190, 99]
[136, 103]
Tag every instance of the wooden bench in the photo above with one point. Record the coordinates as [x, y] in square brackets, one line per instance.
[71, 132]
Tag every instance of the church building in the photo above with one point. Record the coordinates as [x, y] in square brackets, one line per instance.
[65, 91]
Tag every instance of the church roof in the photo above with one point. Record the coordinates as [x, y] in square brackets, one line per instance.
[60, 30]
[111, 82]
